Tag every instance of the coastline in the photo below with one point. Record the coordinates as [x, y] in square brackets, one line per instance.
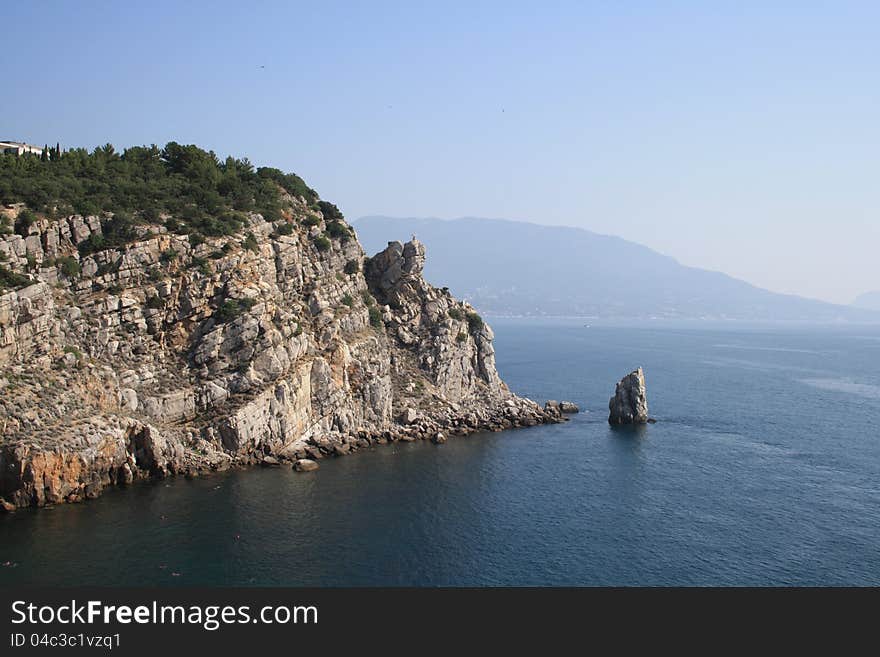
[170, 356]
[55, 469]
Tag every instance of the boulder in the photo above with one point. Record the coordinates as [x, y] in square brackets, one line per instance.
[568, 407]
[629, 405]
[439, 438]
[409, 416]
[305, 465]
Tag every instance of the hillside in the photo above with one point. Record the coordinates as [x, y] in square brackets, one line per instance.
[192, 315]
[506, 267]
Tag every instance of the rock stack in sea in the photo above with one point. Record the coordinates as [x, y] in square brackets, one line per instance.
[629, 405]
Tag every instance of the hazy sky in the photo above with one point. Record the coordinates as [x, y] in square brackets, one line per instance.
[743, 137]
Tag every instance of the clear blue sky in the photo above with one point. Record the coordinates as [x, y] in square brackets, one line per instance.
[743, 137]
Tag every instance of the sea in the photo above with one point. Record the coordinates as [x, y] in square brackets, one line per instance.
[763, 469]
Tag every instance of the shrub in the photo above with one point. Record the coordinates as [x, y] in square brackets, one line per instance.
[11, 280]
[31, 261]
[352, 267]
[92, 244]
[375, 317]
[232, 308]
[475, 322]
[291, 182]
[73, 350]
[69, 266]
[461, 337]
[107, 268]
[250, 243]
[117, 231]
[455, 314]
[348, 300]
[24, 221]
[203, 266]
[311, 220]
[169, 255]
[195, 239]
[155, 302]
[337, 229]
[367, 298]
[322, 243]
[330, 211]
[284, 229]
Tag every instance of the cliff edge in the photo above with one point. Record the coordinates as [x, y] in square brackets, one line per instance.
[172, 355]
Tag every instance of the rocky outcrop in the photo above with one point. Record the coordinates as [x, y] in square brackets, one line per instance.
[166, 356]
[305, 465]
[629, 405]
[558, 408]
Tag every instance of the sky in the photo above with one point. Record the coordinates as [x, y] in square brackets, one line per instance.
[741, 137]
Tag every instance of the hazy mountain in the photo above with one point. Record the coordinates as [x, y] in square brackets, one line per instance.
[509, 267]
[868, 301]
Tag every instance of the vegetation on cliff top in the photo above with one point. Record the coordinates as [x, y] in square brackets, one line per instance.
[188, 189]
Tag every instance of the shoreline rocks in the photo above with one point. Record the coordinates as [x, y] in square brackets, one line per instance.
[629, 405]
[559, 409]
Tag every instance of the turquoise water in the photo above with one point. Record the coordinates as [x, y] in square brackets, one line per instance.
[764, 468]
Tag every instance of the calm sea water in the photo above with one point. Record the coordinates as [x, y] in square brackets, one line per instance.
[763, 469]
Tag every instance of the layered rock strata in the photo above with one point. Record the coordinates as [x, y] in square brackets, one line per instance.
[165, 357]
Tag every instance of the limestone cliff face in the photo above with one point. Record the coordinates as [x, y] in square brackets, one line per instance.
[163, 357]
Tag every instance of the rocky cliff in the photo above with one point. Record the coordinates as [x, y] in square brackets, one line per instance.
[629, 405]
[168, 355]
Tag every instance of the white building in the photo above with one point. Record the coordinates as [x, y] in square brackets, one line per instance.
[18, 148]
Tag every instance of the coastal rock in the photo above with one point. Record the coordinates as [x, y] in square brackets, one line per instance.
[166, 356]
[558, 409]
[305, 465]
[629, 405]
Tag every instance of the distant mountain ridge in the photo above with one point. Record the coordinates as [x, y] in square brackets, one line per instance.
[868, 301]
[517, 268]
